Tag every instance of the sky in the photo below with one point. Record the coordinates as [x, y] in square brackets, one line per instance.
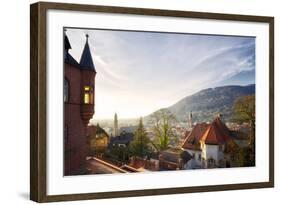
[141, 72]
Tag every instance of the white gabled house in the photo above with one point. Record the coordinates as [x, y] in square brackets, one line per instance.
[209, 145]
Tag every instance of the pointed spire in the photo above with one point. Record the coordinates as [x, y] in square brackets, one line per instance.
[86, 61]
[115, 128]
[67, 57]
[67, 45]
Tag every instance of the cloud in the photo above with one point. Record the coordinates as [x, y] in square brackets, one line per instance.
[225, 63]
[138, 72]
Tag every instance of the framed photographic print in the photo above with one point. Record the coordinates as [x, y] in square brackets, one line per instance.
[134, 102]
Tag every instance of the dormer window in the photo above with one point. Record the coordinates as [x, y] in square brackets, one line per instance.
[88, 95]
[65, 90]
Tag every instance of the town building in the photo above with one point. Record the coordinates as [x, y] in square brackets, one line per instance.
[122, 140]
[170, 159]
[79, 102]
[98, 139]
[209, 144]
[84, 143]
[141, 164]
[192, 142]
[129, 129]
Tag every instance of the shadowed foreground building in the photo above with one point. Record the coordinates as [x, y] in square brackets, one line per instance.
[98, 140]
[79, 86]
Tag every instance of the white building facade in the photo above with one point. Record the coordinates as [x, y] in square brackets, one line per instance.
[207, 144]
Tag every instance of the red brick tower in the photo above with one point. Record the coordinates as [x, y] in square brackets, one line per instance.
[79, 100]
[88, 74]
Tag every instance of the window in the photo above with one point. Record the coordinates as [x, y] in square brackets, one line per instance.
[87, 98]
[88, 95]
[211, 163]
[220, 147]
[65, 90]
[87, 88]
[199, 157]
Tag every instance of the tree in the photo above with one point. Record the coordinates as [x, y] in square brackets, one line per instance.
[163, 121]
[244, 111]
[119, 153]
[140, 145]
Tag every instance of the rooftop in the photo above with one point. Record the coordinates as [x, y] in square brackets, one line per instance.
[213, 134]
[86, 61]
[98, 166]
[217, 133]
[193, 138]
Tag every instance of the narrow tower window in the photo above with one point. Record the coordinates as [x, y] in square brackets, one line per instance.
[88, 95]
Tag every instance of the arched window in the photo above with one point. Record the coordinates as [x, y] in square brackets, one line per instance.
[65, 90]
[88, 95]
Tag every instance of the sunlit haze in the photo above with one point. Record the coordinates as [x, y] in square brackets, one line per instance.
[141, 72]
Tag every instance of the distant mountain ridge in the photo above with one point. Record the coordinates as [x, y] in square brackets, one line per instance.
[206, 103]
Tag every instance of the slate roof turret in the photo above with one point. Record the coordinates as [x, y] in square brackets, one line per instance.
[86, 61]
[67, 57]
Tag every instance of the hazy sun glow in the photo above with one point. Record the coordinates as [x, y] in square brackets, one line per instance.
[140, 72]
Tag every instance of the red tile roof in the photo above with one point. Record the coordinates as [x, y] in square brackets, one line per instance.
[138, 163]
[192, 141]
[186, 133]
[217, 133]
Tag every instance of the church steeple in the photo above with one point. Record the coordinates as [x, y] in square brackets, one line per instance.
[86, 61]
[115, 128]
